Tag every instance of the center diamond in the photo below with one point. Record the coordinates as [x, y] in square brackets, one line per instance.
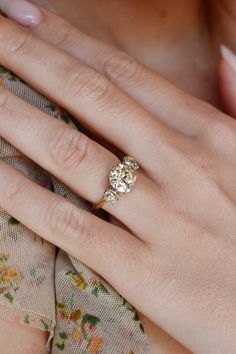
[122, 178]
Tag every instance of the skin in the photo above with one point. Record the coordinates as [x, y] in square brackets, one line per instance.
[187, 128]
[167, 36]
[21, 339]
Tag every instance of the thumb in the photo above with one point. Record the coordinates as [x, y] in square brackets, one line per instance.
[227, 80]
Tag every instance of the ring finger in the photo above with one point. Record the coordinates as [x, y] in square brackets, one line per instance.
[75, 159]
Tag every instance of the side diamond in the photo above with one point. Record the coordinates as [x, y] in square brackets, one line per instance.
[111, 196]
[130, 161]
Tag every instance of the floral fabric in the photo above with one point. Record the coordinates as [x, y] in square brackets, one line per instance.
[42, 286]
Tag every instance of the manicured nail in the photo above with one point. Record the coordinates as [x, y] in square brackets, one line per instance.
[228, 56]
[21, 11]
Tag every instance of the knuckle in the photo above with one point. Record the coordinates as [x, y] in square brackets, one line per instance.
[87, 84]
[62, 37]
[13, 191]
[219, 125]
[3, 99]
[19, 43]
[62, 218]
[68, 147]
[121, 68]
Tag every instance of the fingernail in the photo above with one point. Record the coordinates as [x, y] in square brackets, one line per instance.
[21, 11]
[228, 56]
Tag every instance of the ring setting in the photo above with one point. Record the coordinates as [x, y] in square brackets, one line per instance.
[122, 178]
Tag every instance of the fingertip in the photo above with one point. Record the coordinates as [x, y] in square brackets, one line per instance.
[227, 87]
[23, 12]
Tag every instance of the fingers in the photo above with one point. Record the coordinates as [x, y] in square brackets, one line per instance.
[78, 161]
[88, 95]
[153, 92]
[22, 11]
[100, 245]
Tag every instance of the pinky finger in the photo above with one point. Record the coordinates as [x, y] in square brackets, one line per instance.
[100, 245]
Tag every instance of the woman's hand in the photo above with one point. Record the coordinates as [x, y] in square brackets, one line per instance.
[175, 259]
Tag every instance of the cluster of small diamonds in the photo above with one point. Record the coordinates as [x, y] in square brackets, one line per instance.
[122, 179]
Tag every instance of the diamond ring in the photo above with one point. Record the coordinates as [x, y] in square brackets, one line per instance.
[122, 178]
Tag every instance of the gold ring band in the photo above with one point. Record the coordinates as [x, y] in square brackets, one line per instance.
[122, 178]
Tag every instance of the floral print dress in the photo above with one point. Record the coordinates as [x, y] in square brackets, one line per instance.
[42, 286]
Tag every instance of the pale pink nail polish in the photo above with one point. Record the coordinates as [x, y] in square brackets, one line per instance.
[228, 56]
[21, 11]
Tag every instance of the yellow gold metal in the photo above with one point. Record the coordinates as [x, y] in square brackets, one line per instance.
[99, 204]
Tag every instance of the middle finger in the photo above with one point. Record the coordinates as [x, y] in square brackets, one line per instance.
[88, 95]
